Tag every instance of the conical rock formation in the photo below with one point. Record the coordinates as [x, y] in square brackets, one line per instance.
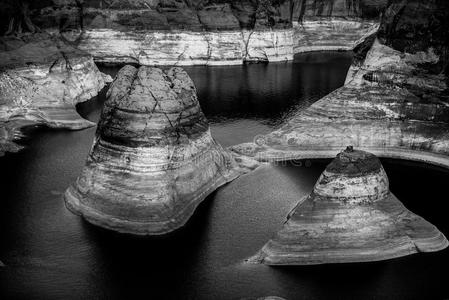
[153, 159]
[351, 216]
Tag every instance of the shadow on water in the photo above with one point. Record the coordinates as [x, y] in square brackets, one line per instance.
[52, 254]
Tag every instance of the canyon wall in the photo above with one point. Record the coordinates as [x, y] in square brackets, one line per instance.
[199, 32]
[334, 25]
[395, 102]
[188, 48]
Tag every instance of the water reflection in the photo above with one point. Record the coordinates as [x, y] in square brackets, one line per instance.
[53, 254]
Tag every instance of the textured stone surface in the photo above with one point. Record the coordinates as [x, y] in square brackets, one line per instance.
[188, 48]
[350, 216]
[331, 34]
[153, 159]
[334, 25]
[394, 104]
[207, 32]
[41, 81]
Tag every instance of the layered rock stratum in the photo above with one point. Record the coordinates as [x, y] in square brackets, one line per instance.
[350, 216]
[214, 32]
[153, 159]
[334, 25]
[41, 80]
[394, 103]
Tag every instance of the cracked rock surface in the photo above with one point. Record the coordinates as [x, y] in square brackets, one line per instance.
[41, 81]
[350, 216]
[153, 159]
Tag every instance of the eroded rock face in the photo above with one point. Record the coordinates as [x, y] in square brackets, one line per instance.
[153, 159]
[41, 81]
[394, 103]
[215, 32]
[188, 48]
[334, 25]
[351, 216]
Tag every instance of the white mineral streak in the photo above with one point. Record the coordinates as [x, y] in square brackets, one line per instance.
[188, 47]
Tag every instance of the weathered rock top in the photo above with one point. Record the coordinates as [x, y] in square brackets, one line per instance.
[354, 163]
[163, 104]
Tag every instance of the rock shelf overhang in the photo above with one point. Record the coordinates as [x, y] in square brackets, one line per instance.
[350, 216]
[41, 80]
[153, 159]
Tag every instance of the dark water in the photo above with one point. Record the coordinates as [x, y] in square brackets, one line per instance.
[53, 254]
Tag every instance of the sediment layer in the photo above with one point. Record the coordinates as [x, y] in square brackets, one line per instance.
[331, 34]
[395, 102]
[153, 159]
[350, 216]
[188, 47]
[41, 81]
[206, 33]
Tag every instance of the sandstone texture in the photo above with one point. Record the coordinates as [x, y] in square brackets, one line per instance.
[41, 81]
[350, 216]
[153, 159]
[188, 48]
[178, 32]
[394, 103]
[334, 25]
[332, 34]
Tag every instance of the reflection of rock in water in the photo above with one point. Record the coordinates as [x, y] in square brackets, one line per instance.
[351, 216]
[153, 159]
[41, 81]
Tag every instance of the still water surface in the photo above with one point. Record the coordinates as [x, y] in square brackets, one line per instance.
[53, 254]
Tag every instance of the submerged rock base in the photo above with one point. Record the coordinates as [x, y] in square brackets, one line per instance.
[351, 216]
[41, 81]
[153, 159]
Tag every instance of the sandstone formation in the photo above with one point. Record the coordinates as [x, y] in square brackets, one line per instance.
[334, 25]
[168, 32]
[332, 34]
[41, 81]
[350, 216]
[187, 47]
[153, 159]
[394, 103]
